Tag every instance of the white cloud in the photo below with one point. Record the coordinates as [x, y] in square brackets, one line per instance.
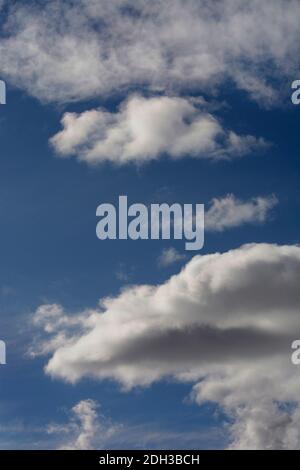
[62, 51]
[261, 401]
[226, 213]
[265, 426]
[52, 319]
[86, 430]
[87, 427]
[225, 322]
[170, 256]
[231, 212]
[147, 128]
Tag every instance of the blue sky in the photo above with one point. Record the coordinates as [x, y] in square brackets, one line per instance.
[50, 254]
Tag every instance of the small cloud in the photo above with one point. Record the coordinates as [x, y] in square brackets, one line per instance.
[86, 429]
[229, 212]
[124, 273]
[170, 256]
[145, 129]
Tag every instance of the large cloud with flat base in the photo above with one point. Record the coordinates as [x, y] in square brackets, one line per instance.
[225, 323]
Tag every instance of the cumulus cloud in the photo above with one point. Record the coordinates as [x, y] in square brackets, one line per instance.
[63, 51]
[229, 212]
[224, 323]
[265, 426]
[264, 414]
[146, 128]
